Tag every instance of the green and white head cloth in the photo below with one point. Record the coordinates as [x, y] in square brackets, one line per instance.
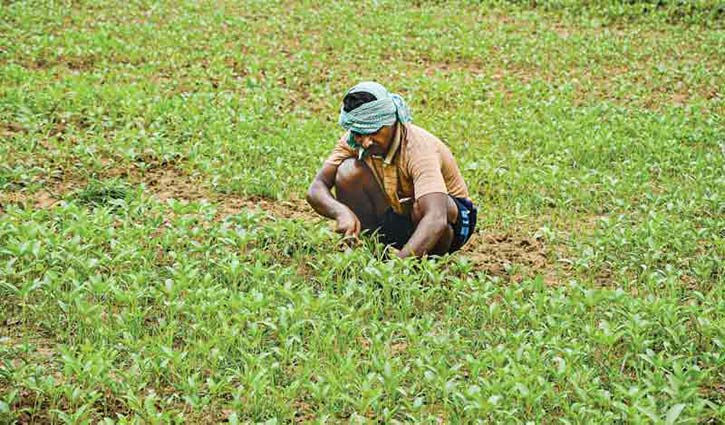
[369, 117]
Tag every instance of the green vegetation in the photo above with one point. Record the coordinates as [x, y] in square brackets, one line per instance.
[589, 131]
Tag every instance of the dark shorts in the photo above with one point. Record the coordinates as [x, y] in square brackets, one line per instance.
[396, 229]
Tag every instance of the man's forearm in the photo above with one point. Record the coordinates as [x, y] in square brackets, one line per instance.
[425, 237]
[321, 200]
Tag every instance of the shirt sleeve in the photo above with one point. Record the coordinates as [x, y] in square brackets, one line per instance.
[340, 152]
[425, 169]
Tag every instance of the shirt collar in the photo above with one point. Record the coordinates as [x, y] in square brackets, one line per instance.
[395, 144]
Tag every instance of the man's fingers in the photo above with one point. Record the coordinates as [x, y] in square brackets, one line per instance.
[348, 242]
[351, 237]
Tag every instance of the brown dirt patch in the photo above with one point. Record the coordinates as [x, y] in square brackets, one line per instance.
[398, 348]
[511, 256]
[9, 129]
[168, 182]
[57, 186]
[164, 181]
[304, 412]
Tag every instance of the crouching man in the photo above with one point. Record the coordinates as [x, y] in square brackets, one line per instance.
[393, 178]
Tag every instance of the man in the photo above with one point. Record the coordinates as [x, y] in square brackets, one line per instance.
[392, 177]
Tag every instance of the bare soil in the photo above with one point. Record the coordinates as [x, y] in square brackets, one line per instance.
[509, 255]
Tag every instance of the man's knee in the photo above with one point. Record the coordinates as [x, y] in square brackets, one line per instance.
[350, 173]
[416, 212]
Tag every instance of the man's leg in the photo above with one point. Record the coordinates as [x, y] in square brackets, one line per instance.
[356, 187]
[444, 243]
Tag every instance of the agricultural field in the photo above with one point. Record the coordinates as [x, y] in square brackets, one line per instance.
[158, 263]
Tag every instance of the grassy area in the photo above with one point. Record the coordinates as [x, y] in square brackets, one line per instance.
[156, 264]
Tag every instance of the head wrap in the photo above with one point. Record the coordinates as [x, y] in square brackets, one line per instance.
[369, 117]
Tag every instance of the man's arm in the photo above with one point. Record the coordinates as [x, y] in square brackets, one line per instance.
[433, 224]
[321, 200]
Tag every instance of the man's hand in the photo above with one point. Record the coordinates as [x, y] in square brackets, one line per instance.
[348, 225]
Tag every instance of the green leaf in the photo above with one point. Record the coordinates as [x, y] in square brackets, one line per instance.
[674, 413]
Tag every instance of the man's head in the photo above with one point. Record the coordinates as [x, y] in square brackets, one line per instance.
[376, 143]
[370, 112]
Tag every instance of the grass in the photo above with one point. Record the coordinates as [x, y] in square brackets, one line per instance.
[594, 129]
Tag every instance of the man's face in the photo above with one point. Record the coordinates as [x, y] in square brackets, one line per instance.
[376, 143]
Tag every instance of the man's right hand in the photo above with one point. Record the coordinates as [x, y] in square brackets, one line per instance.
[348, 225]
